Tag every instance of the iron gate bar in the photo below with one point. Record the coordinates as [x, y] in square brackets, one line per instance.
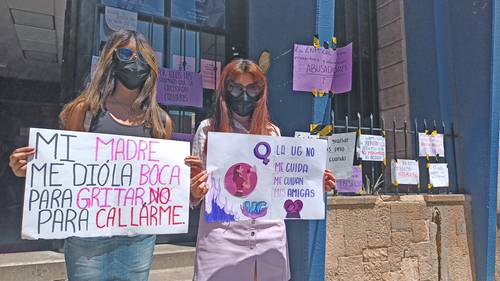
[416, 149]
[370, 169]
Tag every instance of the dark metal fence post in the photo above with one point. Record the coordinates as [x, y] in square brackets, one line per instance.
[384, 166]
[370, 169]
[453, 137]
[405, 129]
[445, 154]
[416, 150]
[395, 151]
[372, 164]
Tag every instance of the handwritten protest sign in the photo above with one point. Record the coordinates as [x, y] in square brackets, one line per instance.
[209, 74]
[371, 148]
[313, 68]
[181, 88]
[438, 175]
[342, 76]
[430, 145]
[117, 19]
[88, 185]
[340, 154]
[264, 177]
[322, 69]
[405, 172]
[352, 184]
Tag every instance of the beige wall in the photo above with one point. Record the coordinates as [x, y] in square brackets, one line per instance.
[397, 238]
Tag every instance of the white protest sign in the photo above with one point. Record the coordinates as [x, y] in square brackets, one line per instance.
[117, 19]
[438, 144]
[371, 148]
[306, 135]
[438, 174]
[430, 145]
[264, 177]
[340, 154]
[405, 171]
[89, 185]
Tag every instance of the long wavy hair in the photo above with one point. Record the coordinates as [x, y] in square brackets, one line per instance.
[221, 120]
[102, 85]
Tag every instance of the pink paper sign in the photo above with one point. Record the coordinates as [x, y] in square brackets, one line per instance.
[178, 63]
[353, 184]
[209, 75]
[342, 77]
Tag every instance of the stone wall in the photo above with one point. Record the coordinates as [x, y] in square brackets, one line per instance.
[412, 237]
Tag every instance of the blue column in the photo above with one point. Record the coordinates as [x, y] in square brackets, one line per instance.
[453, 51]
[275, 26]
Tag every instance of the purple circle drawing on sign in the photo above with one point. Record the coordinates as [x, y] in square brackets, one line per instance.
[240, 179]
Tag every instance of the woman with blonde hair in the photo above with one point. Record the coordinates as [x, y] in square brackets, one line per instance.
[119, 99]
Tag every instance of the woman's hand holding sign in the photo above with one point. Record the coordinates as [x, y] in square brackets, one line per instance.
[329, 181]
[199, 178]
[199, 186]
[18, 160]
[195, 163]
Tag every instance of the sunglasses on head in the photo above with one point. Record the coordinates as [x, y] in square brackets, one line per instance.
[127, 55]
[237, 89]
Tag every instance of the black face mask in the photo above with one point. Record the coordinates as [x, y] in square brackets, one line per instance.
[131, 74]
[243, 105]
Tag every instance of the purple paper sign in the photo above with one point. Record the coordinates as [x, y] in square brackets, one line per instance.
[182, 136]
[313, 68]
[322, 69]
[181, 88]
[342, 77]
[353, 184]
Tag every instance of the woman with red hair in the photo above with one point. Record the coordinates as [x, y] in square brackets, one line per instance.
[239, 250]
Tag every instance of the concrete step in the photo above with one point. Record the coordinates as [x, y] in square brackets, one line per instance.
[49, 266]
[173, 274]
[33, 266]
[169, 256]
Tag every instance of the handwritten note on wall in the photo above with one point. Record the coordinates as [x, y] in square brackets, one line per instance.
[371, 148]
[438, 175]
[340, 154]
[352, 184]
[117, 19]
[322, 69]
[430, 145]
[405, 171]
[181, 88]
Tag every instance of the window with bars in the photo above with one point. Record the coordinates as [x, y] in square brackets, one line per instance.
[355, 21]
[184, 35]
